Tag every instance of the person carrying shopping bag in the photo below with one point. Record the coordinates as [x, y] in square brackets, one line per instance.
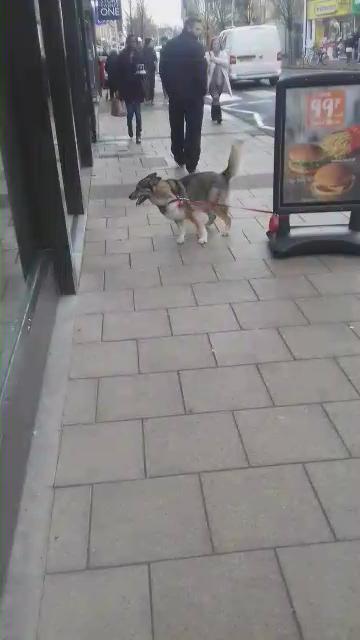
[218, 77]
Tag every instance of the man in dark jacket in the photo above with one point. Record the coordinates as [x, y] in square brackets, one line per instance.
[183, 71]
[130, 84]
[150, 61]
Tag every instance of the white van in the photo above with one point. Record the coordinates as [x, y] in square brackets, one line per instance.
[254, 52]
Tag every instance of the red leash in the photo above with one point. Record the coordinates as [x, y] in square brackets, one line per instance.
[201, 203]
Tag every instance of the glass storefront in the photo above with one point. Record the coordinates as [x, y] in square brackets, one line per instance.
[47, 125]
[13, 288]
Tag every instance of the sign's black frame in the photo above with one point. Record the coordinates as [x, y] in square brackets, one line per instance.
[298, 81]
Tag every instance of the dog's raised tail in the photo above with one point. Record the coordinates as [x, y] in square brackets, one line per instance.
[234, 161]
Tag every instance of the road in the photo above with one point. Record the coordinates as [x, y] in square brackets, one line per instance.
[254, 103]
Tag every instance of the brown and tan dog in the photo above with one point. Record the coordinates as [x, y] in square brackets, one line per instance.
[199, 197]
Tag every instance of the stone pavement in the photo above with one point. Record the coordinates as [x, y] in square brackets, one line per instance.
[207, 485]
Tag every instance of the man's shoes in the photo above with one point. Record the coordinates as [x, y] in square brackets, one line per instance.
[131, 133]
[138, 139]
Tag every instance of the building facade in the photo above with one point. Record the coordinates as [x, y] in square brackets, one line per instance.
[331, 19]
[47, 126]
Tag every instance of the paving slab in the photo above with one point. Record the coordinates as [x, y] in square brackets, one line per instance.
[80, 401]
[156, 259]
[321, 341]
[136, 324]
[90, 282]
[126, 278]
[341, 263]
[187, 274]
[164, 297]
[264, 507]
[330, 308]
[89, 605]
[301, 265]
[186, 444]
[88, 328]
[306, 381]
[202, 319]
[101, 359]
[283, 287]
[288, 434]
[221, 292]
[142, 396]
[128, 246]
[107, 234]
[324, 583]
[195, 254]
[148, 520]
[346, 418]
[351, 366]
[335, 483]
[268, 313]
[247, 347]
[336, 283]
[242, 268]
[101, 453]
[223, 389]
[94, 248]
[100, 302]
[175, 353]
[222, 597]
[69, 533]
[100, 263]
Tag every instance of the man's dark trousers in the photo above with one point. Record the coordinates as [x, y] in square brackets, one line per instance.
[186, 147]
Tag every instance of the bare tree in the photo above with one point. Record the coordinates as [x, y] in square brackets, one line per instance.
[288, 11]
[139, 22]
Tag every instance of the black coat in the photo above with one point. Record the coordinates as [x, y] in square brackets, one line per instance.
[183, 67]
[111, 67]
[150, 58]
[130, 85]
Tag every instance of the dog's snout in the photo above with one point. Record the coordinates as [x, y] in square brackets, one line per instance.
[133, 195]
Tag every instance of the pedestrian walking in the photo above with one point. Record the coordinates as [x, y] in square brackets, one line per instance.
[164, 40]
[130, 84]
[218, 77]
[111, 70]
[183, 72]
[150, 61]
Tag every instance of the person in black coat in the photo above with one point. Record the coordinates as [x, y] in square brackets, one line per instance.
[150, 61]
[183, 71]
[130, 83]
[110, 68]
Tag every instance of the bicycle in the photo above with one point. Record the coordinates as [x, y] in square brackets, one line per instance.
[315, 56]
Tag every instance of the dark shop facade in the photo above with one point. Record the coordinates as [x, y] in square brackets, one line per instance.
[48, 124]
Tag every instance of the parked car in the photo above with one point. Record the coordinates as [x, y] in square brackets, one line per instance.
[254, 52]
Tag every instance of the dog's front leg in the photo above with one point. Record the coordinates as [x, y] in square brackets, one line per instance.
[181, 237]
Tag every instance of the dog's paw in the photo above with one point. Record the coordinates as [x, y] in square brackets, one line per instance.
[225, 234]
[180, 240]
[202, 241]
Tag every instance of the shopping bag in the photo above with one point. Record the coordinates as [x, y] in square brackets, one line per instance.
[117, 108]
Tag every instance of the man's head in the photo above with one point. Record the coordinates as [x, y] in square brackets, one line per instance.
[193, 25]
[131, 42]
[148, 42]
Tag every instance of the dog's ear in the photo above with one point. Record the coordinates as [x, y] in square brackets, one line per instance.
[150, 180]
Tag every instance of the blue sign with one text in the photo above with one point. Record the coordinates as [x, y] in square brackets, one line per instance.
[108, 10]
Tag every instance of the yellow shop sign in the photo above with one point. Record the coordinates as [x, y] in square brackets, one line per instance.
[317, 9]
